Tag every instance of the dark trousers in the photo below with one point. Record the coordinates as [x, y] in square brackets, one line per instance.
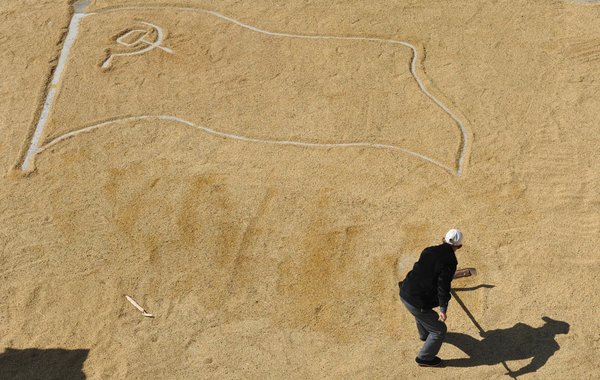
[431, 330]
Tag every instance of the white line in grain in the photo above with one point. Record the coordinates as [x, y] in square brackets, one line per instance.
[49, 101]
[464, 148]
[231, 136]
[413, 65]
[150, 45]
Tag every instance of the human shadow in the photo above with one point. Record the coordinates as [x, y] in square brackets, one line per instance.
[33, 363]
[515, 343]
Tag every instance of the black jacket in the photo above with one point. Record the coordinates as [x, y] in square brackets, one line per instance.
[428, 284]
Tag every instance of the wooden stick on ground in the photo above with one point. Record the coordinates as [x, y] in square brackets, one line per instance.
[137, 306]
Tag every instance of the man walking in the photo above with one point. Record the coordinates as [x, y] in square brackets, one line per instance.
[426, 286]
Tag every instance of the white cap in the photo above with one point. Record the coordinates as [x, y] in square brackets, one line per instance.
[454, 237]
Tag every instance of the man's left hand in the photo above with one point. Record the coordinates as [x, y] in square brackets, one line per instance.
[443, 316]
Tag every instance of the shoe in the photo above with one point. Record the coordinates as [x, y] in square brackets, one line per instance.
[435, 362]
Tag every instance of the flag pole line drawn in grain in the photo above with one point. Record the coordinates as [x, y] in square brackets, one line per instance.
[35, 148]
[78, 15]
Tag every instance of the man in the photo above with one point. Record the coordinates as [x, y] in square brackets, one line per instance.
[426, 286]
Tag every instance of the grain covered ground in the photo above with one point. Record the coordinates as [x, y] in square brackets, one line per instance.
[268, 260]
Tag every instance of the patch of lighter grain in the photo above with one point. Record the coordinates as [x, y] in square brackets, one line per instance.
[404, 265]
[242, 138]
[464, 146]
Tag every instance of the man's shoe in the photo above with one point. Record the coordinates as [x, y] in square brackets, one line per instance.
[435, 362]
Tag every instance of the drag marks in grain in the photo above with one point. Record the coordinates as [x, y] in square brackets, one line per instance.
[560, 182]
[244, 262]
[208, 231]
[317, 286]
[584, 50]
[196, 217]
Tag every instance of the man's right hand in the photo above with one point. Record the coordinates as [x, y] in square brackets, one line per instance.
[442, 317]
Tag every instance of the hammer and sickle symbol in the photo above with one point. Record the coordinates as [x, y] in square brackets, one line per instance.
[143, 39]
